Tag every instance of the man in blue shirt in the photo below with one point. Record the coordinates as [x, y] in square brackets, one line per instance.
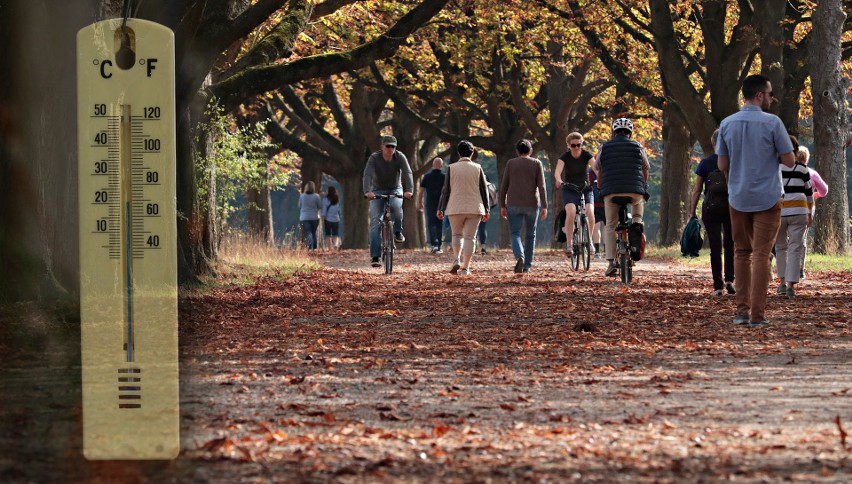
[751, 145]
[432, 184]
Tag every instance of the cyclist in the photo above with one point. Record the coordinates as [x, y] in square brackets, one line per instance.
[623, 169]
[573, 167]
[386, 172]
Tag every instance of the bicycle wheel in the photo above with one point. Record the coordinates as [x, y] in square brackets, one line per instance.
[585, 246]
[575, 254]
[629, 269]
[389, 260]
[387, 247]
[623, 268]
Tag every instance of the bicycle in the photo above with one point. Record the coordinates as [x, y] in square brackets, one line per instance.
[581, 240]
[623, 249]
[388, 240]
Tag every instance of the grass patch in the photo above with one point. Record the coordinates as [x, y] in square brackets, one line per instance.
[828, 263]
[815, 262]
[242, 260]
[672, 254]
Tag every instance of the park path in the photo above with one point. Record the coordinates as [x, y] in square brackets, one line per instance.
[346, 374]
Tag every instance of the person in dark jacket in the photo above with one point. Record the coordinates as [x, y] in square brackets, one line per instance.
[432, 184]
[622, 167]
[717, 223]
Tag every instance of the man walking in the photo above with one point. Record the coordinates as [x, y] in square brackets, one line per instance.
[432, 184]
[751, 145]
[523, 198]
[384, 174]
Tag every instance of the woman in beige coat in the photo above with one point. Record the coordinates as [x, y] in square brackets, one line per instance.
[465, 201]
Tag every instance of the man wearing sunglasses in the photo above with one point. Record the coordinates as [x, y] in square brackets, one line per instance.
[751, 144]
[385, 173]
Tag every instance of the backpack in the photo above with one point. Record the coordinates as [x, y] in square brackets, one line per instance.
[558, 224]
[492, 194]
[636, 236]
[691, 240]
[715, 193]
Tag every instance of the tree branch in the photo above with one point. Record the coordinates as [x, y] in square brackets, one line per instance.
[278, 42]
[258, 80]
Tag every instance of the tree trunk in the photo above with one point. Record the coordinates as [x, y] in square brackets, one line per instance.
[770, 15]
[356, 213]
[197, 240]
[260, 215]
[556, 205]
[191, 260]
[831, 126]
[674, 195]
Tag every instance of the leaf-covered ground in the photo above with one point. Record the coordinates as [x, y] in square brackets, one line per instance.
[350, 375]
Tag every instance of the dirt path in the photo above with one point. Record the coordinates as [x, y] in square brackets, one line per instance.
[350, 375]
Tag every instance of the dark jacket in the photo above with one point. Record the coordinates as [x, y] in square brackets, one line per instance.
[621, 161]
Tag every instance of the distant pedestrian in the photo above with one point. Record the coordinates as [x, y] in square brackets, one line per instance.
[751, 143]
[465, 201]
[310, 205]
[482, 231]
[796, 218]
[523, 199]
[431, 186]
[820, 188]
[716, 215]
[331, 217]
[600, 214]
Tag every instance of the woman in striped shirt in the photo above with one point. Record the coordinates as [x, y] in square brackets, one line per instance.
[796, 217]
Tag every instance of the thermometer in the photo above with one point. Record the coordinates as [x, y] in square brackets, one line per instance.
[128, 272]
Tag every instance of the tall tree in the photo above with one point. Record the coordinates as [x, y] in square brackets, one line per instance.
[831, 125]
[567, 96]
[333, 139]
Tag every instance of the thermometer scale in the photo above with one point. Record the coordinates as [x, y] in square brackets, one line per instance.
[128, 273]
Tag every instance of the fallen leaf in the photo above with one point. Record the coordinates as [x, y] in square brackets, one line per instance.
[843, 433]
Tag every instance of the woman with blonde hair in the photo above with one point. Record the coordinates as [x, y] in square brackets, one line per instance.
[803, 155]
[572, 174]
[796, 218]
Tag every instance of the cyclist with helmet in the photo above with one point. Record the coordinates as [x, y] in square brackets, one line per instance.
[622, 167]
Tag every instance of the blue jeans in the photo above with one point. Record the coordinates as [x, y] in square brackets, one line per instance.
[435, 227]
[523, 216]
[377, 210]
[309, 227]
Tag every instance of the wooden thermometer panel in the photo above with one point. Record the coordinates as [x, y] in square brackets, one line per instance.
[128, 272]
